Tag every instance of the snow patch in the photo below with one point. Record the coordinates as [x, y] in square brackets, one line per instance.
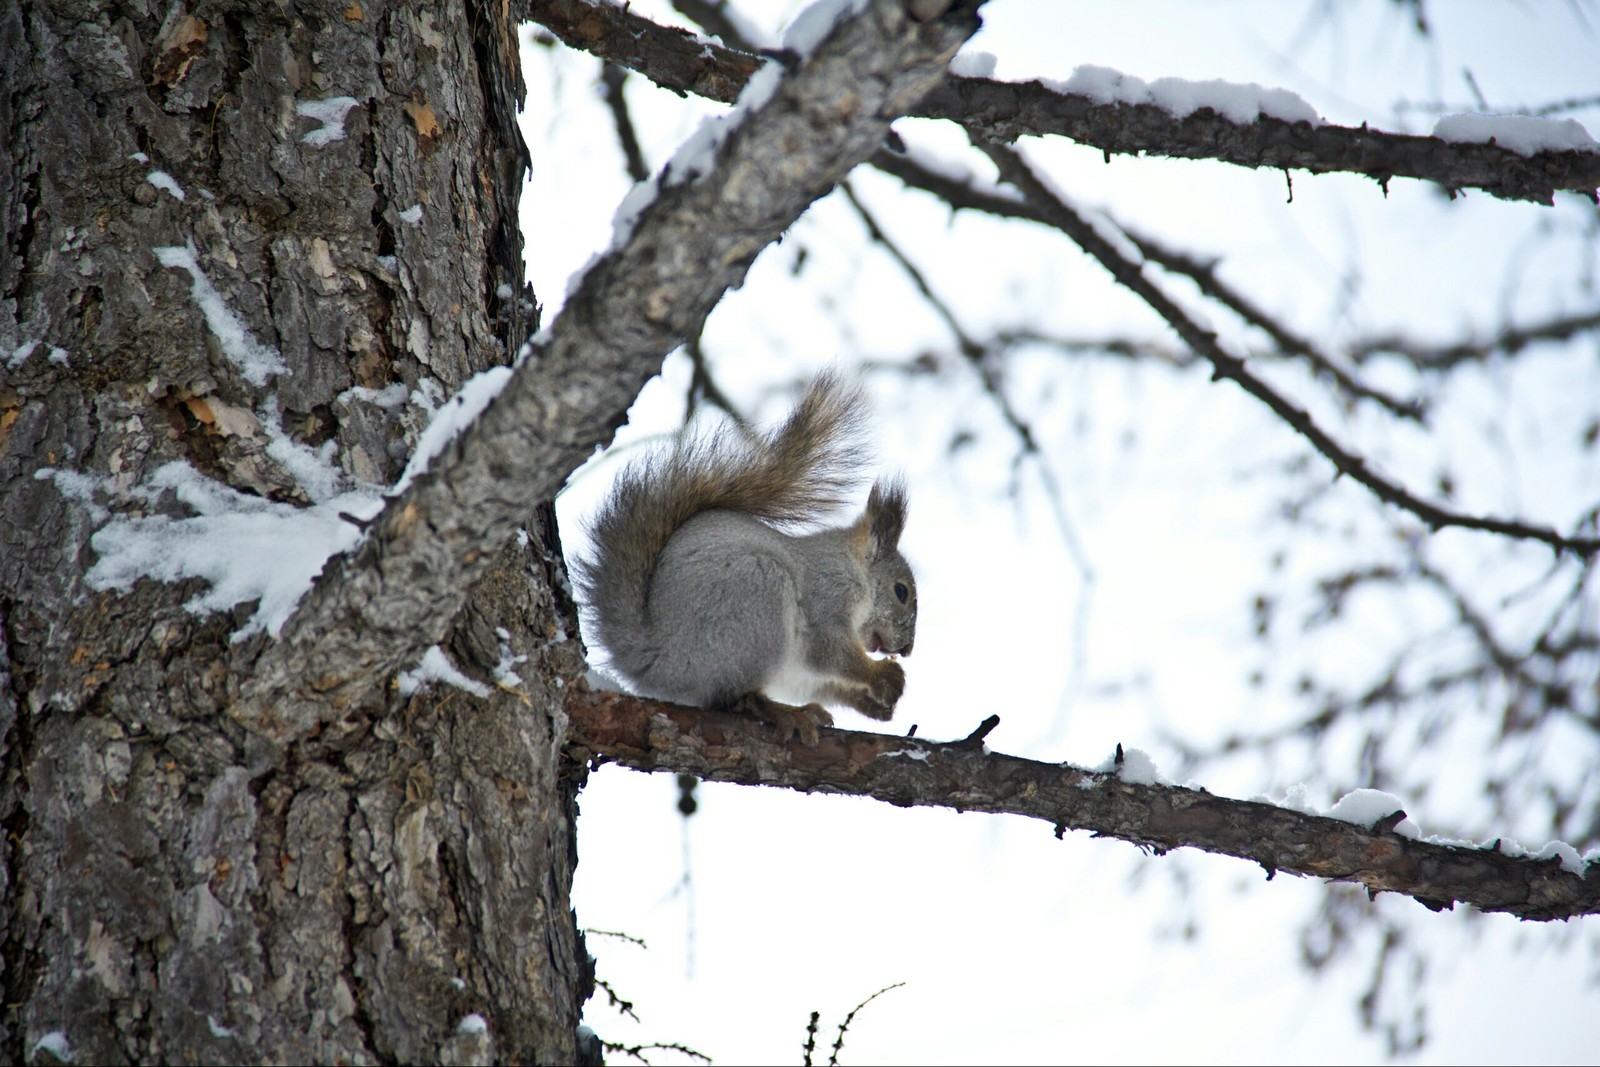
[973, 64]
[411, 215]
[1179, 97]
[1135, 767]
[245, 547]
[502, 670]
[813, 25]
[473, 1024]
[697, 156]
[1365, 807]
[389, 397]
[450, 419]
[162, 180]
[330, 112]
[20, 354]
[1139, 769]
[55, 1043]
[313, 469]
[1524, 134]
[1568, 856]
[435, 666]
[75, 485]
[256, 361]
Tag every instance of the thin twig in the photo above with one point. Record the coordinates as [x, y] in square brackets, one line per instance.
[1510, 340]
[1204, 275]
[588, 930]
[613, 77]
[638, 1051]
[838, 1044]
[623, 1006]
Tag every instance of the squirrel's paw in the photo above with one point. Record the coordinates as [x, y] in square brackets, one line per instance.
[883, 691]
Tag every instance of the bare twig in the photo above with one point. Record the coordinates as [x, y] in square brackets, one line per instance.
[625, 1007]
[1510, 340]
[1204, 274]
[1014, 169]
[619, 935]
[613, 77]
[638, 1051]
[838, 1044]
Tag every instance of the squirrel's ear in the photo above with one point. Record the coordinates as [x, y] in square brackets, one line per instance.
[886, 516]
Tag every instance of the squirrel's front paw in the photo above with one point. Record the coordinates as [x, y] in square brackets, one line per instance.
[883, 690]
[889, 682]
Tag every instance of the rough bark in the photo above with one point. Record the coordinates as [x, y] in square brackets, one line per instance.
[1004, 111]
[964, 775]
[175, 889]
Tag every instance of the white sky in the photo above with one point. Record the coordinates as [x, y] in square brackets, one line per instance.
[1015, 947]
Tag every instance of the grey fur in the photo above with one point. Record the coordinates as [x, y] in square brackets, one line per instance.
[700, 597]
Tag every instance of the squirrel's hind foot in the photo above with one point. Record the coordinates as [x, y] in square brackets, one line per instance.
[803, 722]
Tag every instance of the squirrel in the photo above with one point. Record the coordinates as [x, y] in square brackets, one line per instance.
[702, 593]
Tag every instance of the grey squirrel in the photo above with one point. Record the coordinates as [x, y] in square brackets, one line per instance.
[701, 594]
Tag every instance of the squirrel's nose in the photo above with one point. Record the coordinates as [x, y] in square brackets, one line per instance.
[906, 651]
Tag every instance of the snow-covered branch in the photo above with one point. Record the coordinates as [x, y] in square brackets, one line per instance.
[1003, 111]
[733, 190]
[1122, 802]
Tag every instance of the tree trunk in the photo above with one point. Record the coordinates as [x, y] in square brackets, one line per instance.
[206, 248]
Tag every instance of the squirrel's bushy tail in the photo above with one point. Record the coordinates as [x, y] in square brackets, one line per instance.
[803, 469]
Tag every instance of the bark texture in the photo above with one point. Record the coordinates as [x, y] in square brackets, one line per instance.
[724, 747]
[175, 887]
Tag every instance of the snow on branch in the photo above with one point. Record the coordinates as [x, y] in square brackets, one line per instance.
[692, 236]
[1523, 165]
[1345, 846]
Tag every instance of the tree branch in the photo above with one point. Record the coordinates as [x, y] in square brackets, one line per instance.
[1016, 171]
[1003, 111]
[906, 771]
[374, 611]
[1204, 275]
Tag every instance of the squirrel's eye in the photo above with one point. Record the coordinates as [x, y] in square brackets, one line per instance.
[901, 592]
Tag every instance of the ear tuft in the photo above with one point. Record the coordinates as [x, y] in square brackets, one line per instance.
[886, 516]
